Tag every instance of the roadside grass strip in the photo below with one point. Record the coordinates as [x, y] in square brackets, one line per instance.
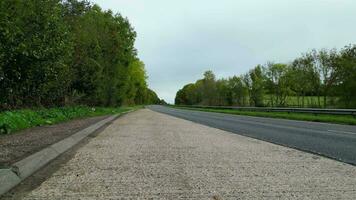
[12, 121]
[350, 120]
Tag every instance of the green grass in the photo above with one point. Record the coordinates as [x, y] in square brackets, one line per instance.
[337, 119]
[12, 121]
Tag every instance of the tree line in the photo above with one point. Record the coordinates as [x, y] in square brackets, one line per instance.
[65, 52]
[320, 78]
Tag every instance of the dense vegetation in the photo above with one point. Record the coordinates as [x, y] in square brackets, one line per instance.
[11, 121]
[325, 78]
[68, 52]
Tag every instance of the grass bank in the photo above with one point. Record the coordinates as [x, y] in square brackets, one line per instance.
[12, 121]
[337, 119]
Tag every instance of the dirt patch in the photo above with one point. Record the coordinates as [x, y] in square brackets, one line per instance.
[26, 142]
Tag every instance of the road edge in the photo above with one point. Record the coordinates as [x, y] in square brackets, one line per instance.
[244, 134]
[19, 171]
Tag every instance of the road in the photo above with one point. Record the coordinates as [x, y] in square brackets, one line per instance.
[149, 155]
[331, 140]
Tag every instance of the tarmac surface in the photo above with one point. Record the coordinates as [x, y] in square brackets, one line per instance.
[331, 140]
[149, 155]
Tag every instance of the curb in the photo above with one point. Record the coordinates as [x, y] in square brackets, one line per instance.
[22, 169]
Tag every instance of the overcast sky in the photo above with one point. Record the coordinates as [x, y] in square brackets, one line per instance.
[180, 39]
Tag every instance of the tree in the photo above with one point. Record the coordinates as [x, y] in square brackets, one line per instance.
[64, 52]
[135, 82]
[223, 93]
[257, 85]
[35, 49]
[304, 78]
[346, 76]
[180, 98]
[324, 73]
[104, 50]
[151, 97]
[209, 88]
[277, 83]
[188, 95]
[238, 91]
[324, 62]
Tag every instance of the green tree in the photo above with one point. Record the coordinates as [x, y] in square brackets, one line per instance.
[304, 78]
[187, 95]
[257, 85]
[135, 82]
[346, 76]
[277, 83]
[55, 53]
[35, 49]
[104, 50]
[209, 88]
[223, 93]
[238, 91]
[324, 62]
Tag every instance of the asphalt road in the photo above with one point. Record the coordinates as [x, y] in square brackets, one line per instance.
[330, 140]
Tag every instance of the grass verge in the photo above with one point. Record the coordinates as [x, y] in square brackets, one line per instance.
[12, 121]
[337, 119]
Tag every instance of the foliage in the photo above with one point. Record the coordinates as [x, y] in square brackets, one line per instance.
[11, 121]
[346, 76]
[68, 52]
[35, 47]
[329, 74]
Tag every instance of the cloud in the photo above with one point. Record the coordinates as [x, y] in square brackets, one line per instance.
[179, 40]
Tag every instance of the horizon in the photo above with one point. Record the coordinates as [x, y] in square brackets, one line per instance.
[229, 37]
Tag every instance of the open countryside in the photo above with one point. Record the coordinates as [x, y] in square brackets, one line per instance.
[177, 100]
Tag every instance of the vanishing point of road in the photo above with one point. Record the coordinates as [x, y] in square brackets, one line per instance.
[150, 155]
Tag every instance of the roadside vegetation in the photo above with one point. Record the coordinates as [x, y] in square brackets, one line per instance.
[56, 53]
[350, 120]
[320, 79]
[66, 59]
[12, 121]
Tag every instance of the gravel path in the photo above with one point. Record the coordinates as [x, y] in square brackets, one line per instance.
[147, 155]
[19, 145]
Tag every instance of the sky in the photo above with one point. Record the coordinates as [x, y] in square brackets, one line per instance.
[178, 40]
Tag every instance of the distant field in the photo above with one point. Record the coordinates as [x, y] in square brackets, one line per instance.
[295, 116]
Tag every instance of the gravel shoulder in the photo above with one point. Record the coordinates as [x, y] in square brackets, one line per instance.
[17, 146]
[148, 155]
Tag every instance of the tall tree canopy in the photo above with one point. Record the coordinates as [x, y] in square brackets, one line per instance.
[55, 53]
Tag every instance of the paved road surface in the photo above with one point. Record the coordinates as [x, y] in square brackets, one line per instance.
[148, 155]
[331, 140]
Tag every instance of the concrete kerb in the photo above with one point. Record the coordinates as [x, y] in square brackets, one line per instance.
[12, 176]
[8, 180]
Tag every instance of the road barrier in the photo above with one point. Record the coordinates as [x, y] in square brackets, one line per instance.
[315, 111]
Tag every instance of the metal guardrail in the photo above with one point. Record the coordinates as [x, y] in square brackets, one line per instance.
[315, 111]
